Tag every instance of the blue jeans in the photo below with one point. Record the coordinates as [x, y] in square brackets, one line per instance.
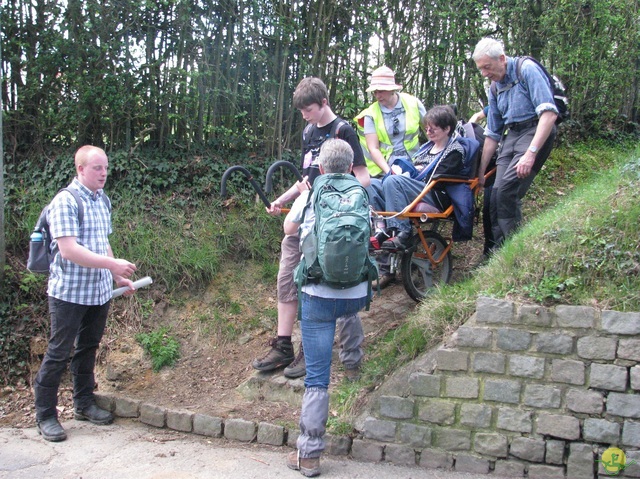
[318, 326]
[70, 324]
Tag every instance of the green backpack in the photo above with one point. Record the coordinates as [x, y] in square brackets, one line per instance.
[336, 250]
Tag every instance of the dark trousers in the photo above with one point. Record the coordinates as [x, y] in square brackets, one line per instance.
[508, 190]
[71, 325]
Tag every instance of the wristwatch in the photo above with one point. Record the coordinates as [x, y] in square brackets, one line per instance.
[533, 149]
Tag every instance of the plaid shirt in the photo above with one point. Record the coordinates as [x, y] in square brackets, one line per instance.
[69, 281]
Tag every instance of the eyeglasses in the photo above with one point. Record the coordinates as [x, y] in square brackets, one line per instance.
[433, 129]
[396, 130]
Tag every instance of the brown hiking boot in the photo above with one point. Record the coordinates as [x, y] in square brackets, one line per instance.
[308, 466]
[280, 355]
[298, 367]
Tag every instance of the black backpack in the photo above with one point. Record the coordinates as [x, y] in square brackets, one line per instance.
[40, 253]
[557, 88]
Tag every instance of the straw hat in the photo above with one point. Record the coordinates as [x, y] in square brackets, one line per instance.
[383, 78]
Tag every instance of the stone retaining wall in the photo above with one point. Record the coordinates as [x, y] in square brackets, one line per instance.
[520, 391]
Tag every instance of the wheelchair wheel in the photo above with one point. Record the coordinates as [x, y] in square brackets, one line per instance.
[419, 276]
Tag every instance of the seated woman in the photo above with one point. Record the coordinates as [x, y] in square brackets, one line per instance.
[394, 192]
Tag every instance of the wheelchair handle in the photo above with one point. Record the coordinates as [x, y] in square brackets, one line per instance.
[247, 174]
[268, 187]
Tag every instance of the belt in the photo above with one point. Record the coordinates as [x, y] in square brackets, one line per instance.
[523, 125]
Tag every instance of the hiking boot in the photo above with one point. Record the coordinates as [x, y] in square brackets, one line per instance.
[398, 242]
[51, 430]
[375, 242]
[352, 374]
[298, 367]
[384, 280]
[280, 355]
[95, 415]
[308, 466]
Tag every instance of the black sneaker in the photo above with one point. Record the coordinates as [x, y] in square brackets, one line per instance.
[279, 356]
[398, 242]
[51, 429]
[298, 367]
[94, 414]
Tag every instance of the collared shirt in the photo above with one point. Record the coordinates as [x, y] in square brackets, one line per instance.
[67, 280]
[518, 101]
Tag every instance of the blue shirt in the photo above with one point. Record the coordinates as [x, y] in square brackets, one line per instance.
[67, 280]
[526, 100]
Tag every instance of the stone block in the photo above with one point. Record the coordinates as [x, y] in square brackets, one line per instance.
[568, 371]
[453, 439]
[581, 461]
[510, 469]
[125, 407]
[462, 387]
[513, 339]
[585, 401]
[616, 322]
[452, 360]
[515, 420]
[180, 420]
[494, 311]
[437, 411]
[414, 435]
[500, 390]
[597, 348]
[542, 396]
[492, 363]
[533, 315]
[631, 434]
[271, 434]
[635, 377]
[554, 453]
[338, 445]
[424, 385]
[554, 343]
[601, 430]
[379, 430]
[472, 464]
[624, 405]
[555, 425]
[207, 425]
[292, 437]
[476, 416]
[366, 451]
[632, 468]
[539, 471]
[526, 366]
[527, 448]
[396, 407]
[400, 455]
[434, 459]
[239, 430]
[608, 376]
[490, 444]
[476, 338]
[629, 349]
[153, 415]
[575, 317]
[105, 401]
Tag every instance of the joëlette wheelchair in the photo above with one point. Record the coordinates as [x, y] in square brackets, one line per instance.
[427, 262]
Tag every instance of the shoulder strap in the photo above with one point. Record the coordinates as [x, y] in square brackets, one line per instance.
[335, 128]
[306, 131]
[76, 195]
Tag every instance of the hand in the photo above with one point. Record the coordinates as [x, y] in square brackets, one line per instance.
[120, 281]
[525, 164]
[122, 268]
[303, 185]
[275, 209]
[396, 170]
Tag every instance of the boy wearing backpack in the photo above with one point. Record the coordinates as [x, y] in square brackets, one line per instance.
[322, 303]
[311, 97]
[522, 116]
[80, 287]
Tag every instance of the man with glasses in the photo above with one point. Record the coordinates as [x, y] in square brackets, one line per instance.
[388, 129]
